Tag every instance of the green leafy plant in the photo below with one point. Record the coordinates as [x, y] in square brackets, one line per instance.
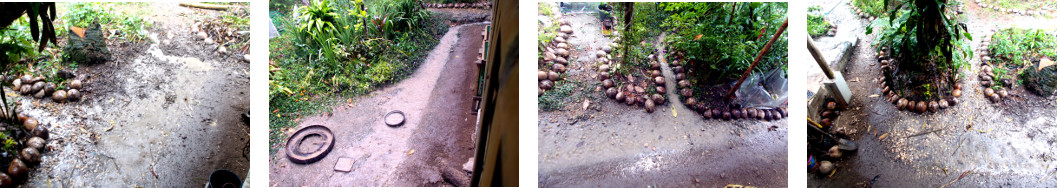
[720, 40]
[872, 7]
[816, 23]
[133, 28]
[317, 20]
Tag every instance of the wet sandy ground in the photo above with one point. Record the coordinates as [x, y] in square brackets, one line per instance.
[437, 135]
[993, 145]
[165, 113]
[613, 145]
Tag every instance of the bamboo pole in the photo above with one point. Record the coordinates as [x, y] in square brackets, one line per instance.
[730, 95]
[206, 6]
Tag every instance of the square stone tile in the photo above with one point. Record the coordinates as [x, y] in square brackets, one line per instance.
[344, 164]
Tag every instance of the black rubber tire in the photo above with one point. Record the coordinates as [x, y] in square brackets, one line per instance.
[402, 119]
[305, 158]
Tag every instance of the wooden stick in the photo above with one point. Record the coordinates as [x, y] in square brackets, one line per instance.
[730, 95]
[206, 6]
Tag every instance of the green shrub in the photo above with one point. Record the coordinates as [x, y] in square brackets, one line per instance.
[730, 37]
[133, 28]
[816, 23]
[871, 7]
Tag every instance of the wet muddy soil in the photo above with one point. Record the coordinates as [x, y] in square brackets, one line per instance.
[610, 144]
[978, 144]
[163, 113]
[436, 138]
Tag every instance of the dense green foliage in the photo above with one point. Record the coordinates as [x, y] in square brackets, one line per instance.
[1022, 4]
[16, 42]
[720, 40]
[349, 48]
[928, 60]
[133, 28]
[1016, 46]
[816, 23]
[872, 7]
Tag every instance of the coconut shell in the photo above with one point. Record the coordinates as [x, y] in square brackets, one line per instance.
[37, 87]
[691, 101]
[717, 114]
[700, 107]
[994, 97]
[541, 75]
[726, 115]
[611, 92]
[784, 112]
[41, 131]
[631, 100]
[761, 114]
[620, 96]
[561, 60]
[686, 92]
[953, 101]
[751, 113]
[921, 107]
[1003, 93]
[30, 123]
[600, 54]
[827, 114]
[659, 80]
[604, 75]
[707, 113]
[16, 85]
[546, 84]
[684, 83]
[59, 96]
[736, 114]
[678, 69]
[956, 93]
[655, 73]
[73, 95]
[680, 76]
[604, 68]
[30, 155]
[640, 89]
[958, 86]
[553, 76]
[661, 90]
[18, 170]
[826, 123]
[6, 181]
[831, 105]
[558, 67]
[650, 106]
[944, 104]
[934, 106]
[26, 90]
[36, 142]
[39, 94]
[658, 99]
[988, 91]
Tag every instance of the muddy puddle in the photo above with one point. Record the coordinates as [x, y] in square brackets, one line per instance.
[610, 144]
[163, 113]
[976, 143]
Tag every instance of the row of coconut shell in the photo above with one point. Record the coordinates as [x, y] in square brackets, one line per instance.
[18, 170]
[483, 5]
[632, 93]
[829, 114]
[862, 14]
[556, 58]
[683, 86]
[987, 75]
[39, 88]
[1042, 11]
[892, 95]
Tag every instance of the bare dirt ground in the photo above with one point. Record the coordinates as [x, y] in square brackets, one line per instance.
[163, 113]
[990, 144]
[437, 100]
[613, 145]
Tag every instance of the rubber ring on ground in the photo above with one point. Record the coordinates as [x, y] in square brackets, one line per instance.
[394, 124]
[295, 142]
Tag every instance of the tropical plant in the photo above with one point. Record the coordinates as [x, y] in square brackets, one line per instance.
[722, 39]
[816, 23]
[317, 20]
[927, 46]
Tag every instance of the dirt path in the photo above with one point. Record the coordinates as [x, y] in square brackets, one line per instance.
[1008, 144]
[161, 114]
[383, 155]
[613, 145]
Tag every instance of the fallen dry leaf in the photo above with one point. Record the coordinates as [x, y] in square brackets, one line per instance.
[1045, 62]
[586, 103]
[882, 136]
[411, 152]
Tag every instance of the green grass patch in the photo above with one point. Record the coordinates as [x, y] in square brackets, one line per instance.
[562, 93]
[1022, 4]
[343, 49]
[816, 23]
[133, 27]
[871, 7]
[1014, 46]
